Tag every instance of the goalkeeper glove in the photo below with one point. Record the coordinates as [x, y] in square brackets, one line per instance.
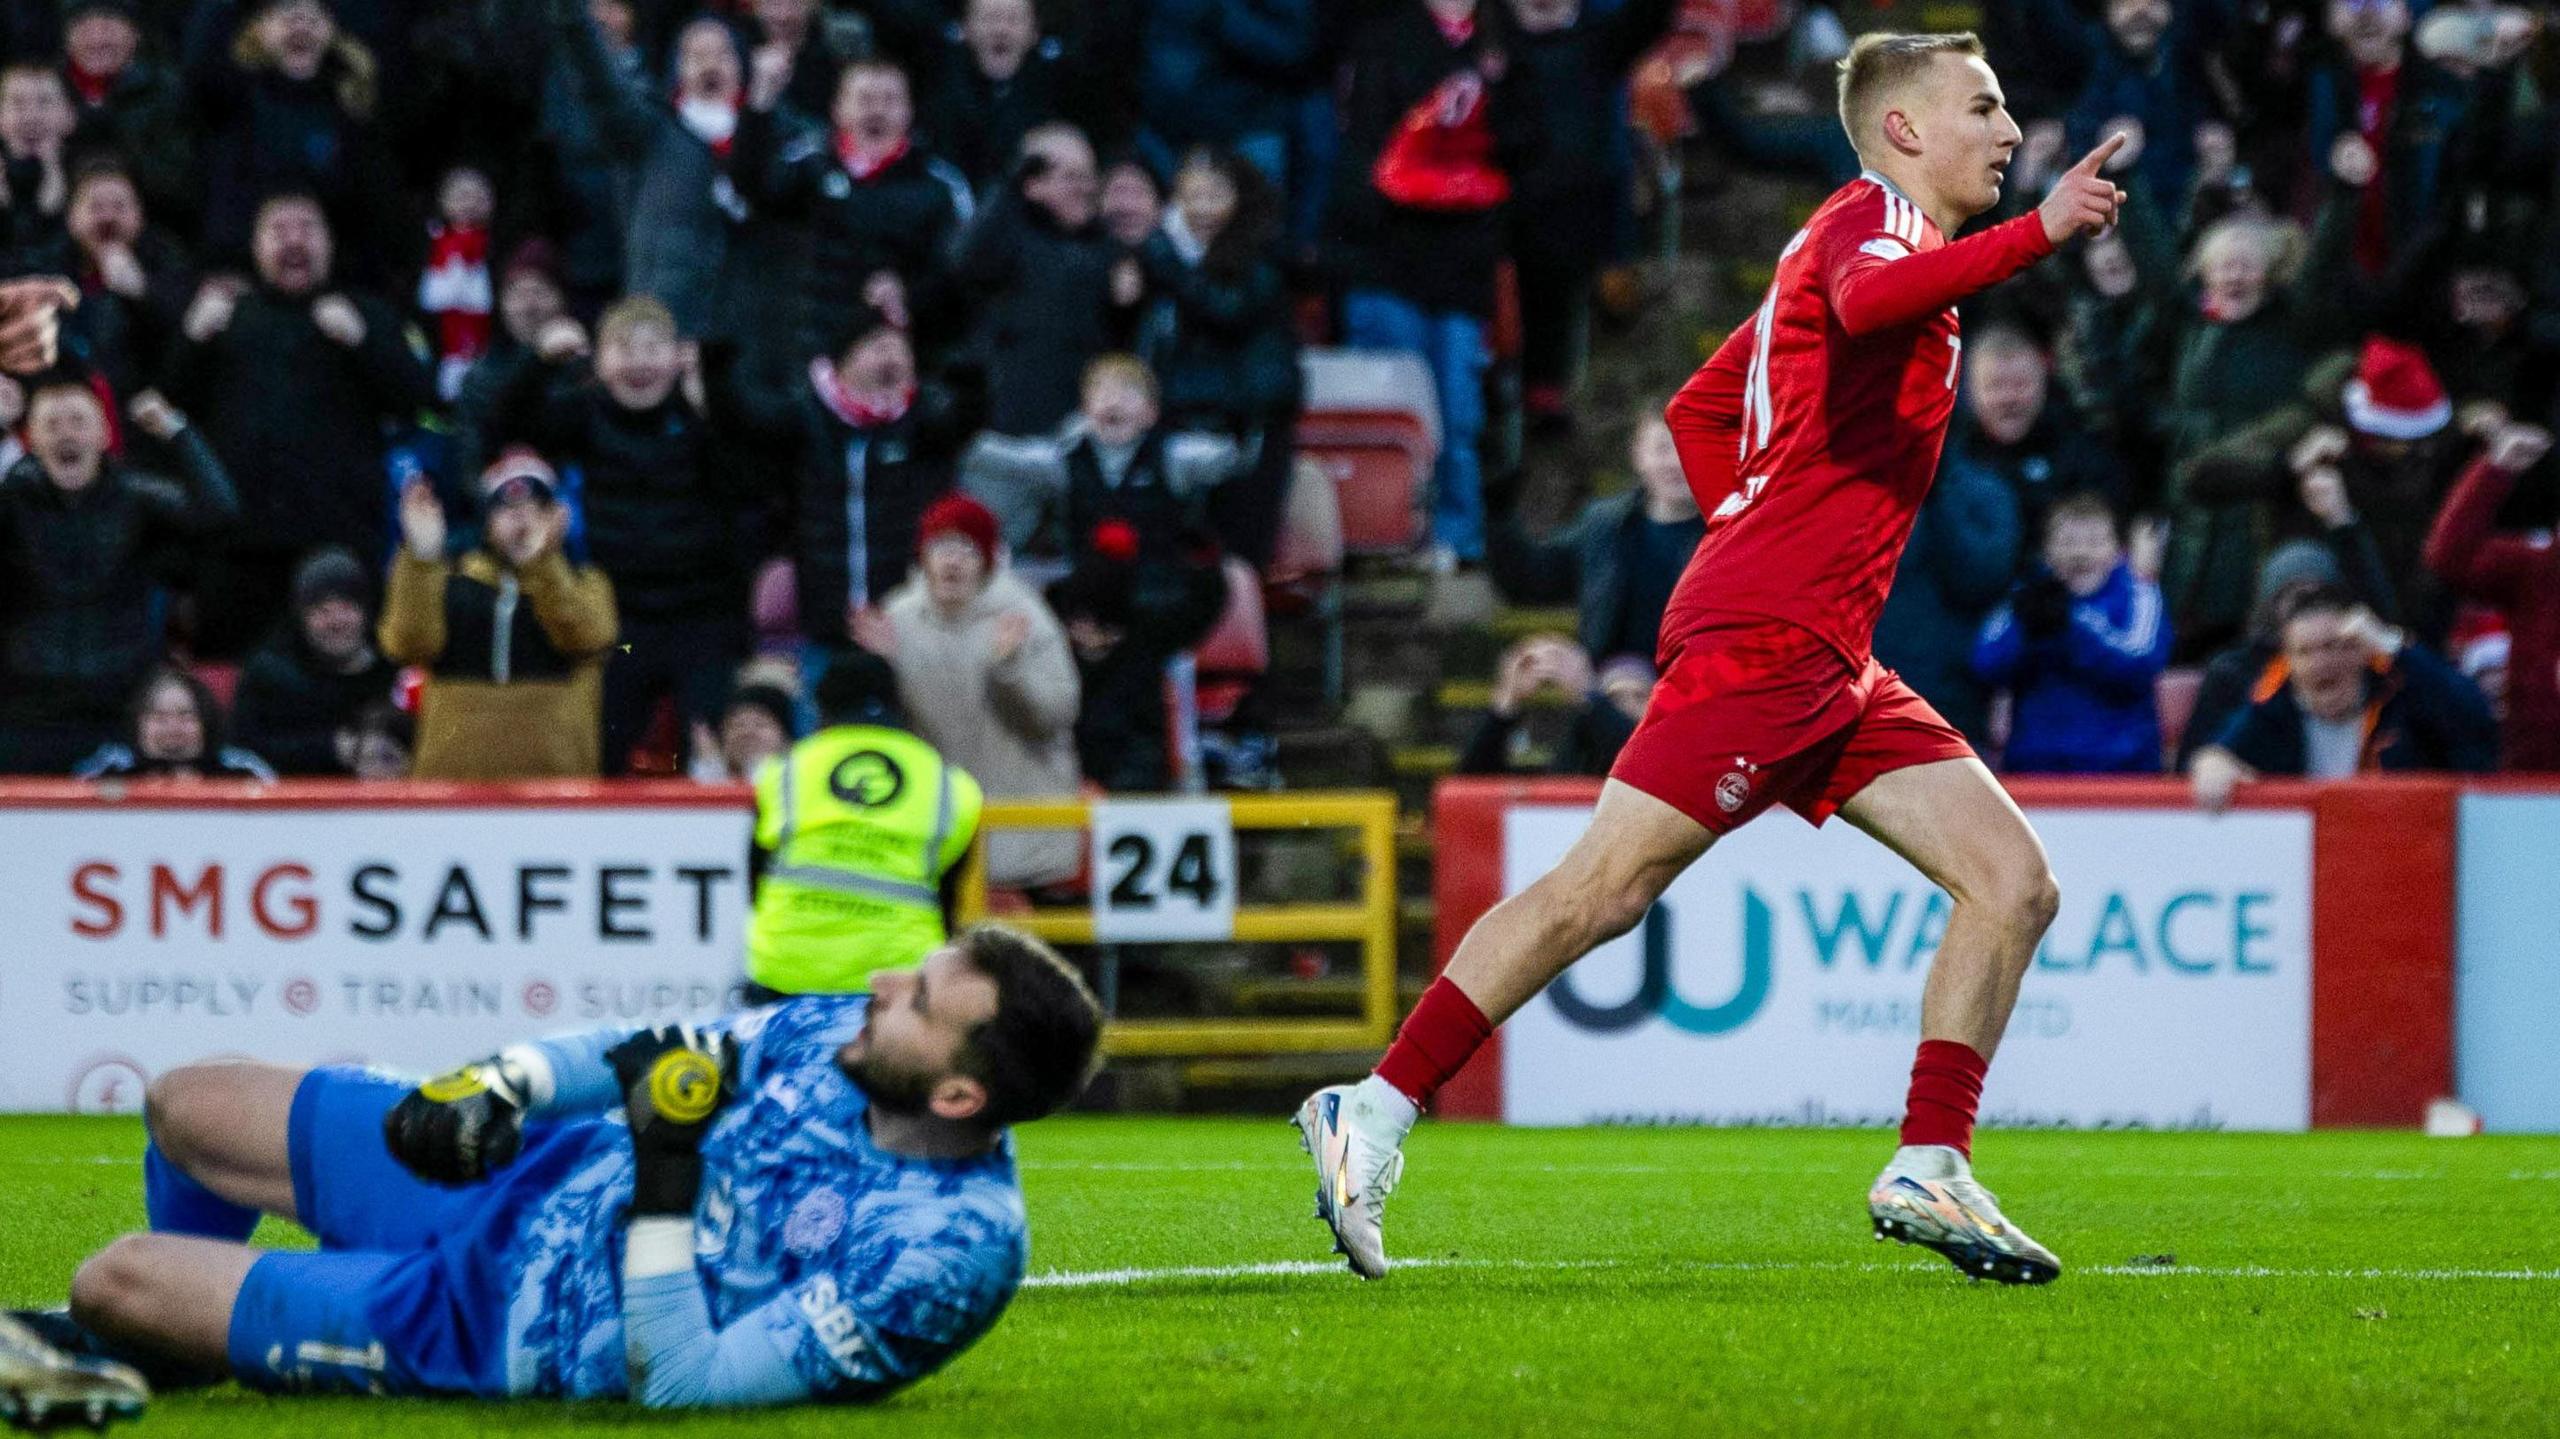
[674, 1079]
[458, 1128]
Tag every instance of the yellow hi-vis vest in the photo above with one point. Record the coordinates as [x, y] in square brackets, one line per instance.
[862, 821]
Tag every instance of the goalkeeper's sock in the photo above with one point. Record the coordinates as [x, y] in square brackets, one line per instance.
[177, 1204]
[1946, 1087]
[1438, 1038]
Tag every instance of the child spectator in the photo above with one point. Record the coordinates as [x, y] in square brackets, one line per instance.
[2354, 696]
[174, 732]
[512, 635]
[454, 292]
[85, 548]
[302, 695]
[2079, 647]
[660, 507]
[2520, 575]
[1114, 463]
[986, 671]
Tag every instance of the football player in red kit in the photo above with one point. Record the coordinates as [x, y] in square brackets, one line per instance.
[1810, 439]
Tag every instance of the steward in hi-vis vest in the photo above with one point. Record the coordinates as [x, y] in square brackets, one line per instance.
[860, 829]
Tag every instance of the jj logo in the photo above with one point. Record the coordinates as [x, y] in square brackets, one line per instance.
[1655, 993]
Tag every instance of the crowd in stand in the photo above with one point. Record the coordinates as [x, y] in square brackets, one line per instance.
[2268, 462]
[555, 387]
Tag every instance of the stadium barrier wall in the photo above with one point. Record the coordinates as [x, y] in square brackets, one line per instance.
[413, 925]
[417, 925]
[2291, 964]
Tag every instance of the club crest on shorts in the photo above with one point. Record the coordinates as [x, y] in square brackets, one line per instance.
[1734, 790]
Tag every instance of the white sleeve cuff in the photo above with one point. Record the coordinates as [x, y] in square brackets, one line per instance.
[658, 1244]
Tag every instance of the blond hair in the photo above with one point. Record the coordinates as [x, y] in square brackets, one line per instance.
[2280, 242]
[1880, 63]
[633, 312]
[1123, 369]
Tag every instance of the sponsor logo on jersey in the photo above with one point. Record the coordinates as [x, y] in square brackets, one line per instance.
[1885, 247]
[833, 1322]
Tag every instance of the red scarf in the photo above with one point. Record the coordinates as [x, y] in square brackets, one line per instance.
[91, 89]
[455, 292]
[862, 166]
[862, 409]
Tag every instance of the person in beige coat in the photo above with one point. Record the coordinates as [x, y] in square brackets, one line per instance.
[513, 636]
[985, 674]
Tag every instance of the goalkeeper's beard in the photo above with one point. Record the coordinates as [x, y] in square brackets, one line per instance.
[892, 1089]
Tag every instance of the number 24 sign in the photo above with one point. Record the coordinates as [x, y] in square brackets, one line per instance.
[1163, 870]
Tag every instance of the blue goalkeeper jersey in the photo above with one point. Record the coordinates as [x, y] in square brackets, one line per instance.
[862, 1270]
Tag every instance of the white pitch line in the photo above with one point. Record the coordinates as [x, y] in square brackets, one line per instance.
[1298, 1268]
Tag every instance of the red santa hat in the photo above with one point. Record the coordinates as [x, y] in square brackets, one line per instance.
[2395, 394]
[958, 514]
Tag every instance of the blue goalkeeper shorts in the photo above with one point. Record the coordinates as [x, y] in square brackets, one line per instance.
[370, 1313]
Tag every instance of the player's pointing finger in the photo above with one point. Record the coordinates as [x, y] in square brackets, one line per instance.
[2105, 151]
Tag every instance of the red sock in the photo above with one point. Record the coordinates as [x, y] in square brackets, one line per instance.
[1946, 1087]
[1443, 1032]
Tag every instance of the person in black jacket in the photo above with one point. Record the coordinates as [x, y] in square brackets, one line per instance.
[868, 448]
[2350, 696]
[1050, 287]
[531, 295]
[84, 545]
[881, 210]
[1217, 334]
[134, 280]
[996, 79]
[304, 695]
[1571, 205]
[295, 381]
[129, 105]
[660, 508]
[283, 99]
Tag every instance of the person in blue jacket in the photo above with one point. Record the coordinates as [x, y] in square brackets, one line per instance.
[2079, 646]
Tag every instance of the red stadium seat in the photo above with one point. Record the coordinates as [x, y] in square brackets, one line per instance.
[1238, 651]
[1372, 422]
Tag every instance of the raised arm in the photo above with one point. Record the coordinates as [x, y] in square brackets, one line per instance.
[1881, 284]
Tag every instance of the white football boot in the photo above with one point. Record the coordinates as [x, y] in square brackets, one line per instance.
[1355, 1141]
[42, 1388]
[1929, 1197]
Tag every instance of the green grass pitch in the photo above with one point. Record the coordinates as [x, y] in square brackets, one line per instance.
[1622, 1282]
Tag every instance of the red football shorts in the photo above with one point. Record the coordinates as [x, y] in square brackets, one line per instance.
[1754, 714]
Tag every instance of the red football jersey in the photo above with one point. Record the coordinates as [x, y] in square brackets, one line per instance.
[1812, 435]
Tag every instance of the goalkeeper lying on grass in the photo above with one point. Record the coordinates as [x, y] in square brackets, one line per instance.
[813, 1201]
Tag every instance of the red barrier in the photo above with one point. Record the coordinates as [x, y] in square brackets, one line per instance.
[2382, 922]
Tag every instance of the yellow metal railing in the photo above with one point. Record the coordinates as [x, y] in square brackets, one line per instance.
[1371, 922]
